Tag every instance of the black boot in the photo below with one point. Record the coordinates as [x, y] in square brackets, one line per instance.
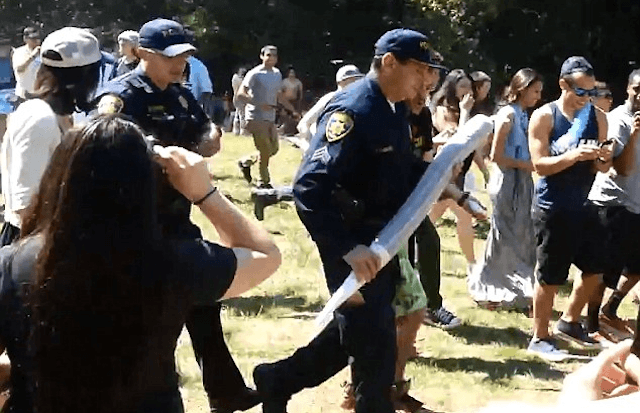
[261, 200]
[272, 402]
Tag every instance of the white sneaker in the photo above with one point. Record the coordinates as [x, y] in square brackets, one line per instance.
[546, 349]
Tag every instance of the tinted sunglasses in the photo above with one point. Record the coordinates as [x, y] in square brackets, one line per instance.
[580, 92]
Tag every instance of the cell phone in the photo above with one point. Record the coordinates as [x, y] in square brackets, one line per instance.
[605, 143]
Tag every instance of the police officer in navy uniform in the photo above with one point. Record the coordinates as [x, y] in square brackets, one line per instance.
[357, 173]
[152, 95]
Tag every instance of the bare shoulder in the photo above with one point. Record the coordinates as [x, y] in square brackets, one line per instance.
[542, 115]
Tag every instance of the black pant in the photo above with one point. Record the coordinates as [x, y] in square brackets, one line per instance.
[220, 376]
[363, 337]
[425, 244]
[8, 234]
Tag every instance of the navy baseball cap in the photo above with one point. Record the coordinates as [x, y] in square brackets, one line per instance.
[166, 36]
[407, 44]
[575, 64]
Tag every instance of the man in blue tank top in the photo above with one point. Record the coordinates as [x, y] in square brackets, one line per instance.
[564, 140]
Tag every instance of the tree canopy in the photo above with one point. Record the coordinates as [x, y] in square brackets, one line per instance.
[496, 36]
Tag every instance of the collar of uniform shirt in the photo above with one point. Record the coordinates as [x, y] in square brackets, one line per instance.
[393, 105]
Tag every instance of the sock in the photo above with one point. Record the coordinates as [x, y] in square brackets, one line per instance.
[592, 325]
[611, 308]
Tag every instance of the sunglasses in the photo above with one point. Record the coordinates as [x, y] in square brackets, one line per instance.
[580, 92]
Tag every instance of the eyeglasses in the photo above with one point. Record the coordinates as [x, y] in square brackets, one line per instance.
[580, 92]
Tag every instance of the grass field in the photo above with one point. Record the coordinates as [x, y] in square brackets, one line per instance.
[482, 361]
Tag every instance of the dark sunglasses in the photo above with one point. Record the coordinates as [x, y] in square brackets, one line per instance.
[580, 92]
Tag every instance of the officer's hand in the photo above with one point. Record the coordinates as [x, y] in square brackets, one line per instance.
[211, 146]
[187, 171]
[364, 262]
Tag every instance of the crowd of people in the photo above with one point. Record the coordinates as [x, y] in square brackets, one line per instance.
[101, 266]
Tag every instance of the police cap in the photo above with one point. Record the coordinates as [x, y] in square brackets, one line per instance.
[406, 44]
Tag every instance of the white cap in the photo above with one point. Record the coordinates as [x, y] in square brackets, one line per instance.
[72, 47]
[347, 72]
[130, 36]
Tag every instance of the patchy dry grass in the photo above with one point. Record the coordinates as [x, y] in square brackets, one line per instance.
[482, 361]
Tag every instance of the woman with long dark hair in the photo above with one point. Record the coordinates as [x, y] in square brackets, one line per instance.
[505, 275]
[110, 295]
[451, 107]
[66, 80]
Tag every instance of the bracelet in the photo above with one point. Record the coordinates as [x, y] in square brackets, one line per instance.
[201, 200]
[463, 198]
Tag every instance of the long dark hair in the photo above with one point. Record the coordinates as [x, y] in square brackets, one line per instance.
[68, 88]
[519, 82]
[96, 295]
[446, 95]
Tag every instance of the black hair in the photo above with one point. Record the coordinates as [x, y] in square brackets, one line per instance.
[67, 88]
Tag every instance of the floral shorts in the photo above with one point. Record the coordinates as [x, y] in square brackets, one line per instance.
[410, 296]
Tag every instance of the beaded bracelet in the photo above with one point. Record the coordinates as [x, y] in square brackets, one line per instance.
[201, 200]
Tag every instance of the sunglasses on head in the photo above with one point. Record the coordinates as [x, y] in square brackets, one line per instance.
[580, 92]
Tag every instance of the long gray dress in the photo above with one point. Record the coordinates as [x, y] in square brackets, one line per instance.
[505, 274]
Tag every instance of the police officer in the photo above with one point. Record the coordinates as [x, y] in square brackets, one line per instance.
[152, 96]
[358, 171]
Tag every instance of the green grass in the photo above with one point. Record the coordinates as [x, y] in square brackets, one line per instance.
[482, 361]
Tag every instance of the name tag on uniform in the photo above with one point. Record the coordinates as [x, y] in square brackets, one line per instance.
[321, 155]
[385, 149]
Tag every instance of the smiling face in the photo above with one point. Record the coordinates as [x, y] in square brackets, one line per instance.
[574, 82]
[531, 95]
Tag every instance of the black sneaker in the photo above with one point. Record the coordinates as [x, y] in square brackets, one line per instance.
[271, 402]
[574, 333]
[441, 318]
[246, 171]
[243, 401]
[261, 201]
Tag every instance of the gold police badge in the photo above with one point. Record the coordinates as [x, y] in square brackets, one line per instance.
[339, 125]
[110, 104]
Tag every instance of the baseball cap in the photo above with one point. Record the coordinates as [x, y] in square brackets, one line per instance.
[348, 72]
[70, 47]
[166, 36]
[130, 36]
[575, 64]
[31, 33]
[406, 44]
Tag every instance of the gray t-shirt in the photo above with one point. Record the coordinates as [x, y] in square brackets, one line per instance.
[264, 84]
[610, 188]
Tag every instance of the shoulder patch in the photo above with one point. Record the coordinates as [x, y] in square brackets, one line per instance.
[338, 126]
[110, 104]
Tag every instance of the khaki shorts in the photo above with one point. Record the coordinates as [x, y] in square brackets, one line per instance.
[410, 296]
[265, 136]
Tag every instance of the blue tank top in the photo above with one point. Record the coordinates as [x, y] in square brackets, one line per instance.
[516, 145]
[569, 188]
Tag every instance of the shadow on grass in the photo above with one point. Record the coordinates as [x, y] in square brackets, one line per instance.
[255, 305]
[487, 335]
[496, 370]
[482, 229]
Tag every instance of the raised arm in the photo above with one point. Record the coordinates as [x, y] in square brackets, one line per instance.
[257, 254]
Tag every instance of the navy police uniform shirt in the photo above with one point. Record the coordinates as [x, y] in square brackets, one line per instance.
[173, 117]
[362, 148]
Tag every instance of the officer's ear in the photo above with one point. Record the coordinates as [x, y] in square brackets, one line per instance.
[389, 60]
